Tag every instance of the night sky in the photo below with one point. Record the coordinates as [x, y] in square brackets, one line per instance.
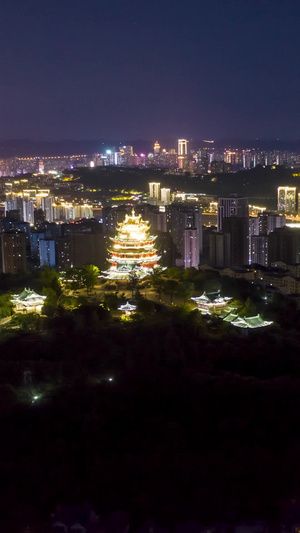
[74, 69]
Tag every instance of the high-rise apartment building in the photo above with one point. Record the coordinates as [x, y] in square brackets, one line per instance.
[191, 256]
[232, 206]
[259, 250]
[253, 226]
[10, 205]
[47, 207]
[284, 245]
[63, 249]
[28, 211]
[47, 252]
[286, 200]
[259, 229]
[165, 195]
[268, 222]
[157, 219]
[111, 217]
[238, 230]
[88, 248]
[13, 203]
[35, 238]
[154, 190]
[180, 218]
[234, 157]
[219, 249]
[247, 159]
[13, 250]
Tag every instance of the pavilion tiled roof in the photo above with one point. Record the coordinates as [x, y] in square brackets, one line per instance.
[27, 295]
[251, 322]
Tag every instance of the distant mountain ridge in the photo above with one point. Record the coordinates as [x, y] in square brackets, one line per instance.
[30, 148]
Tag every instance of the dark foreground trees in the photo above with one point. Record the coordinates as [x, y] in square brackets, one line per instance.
[172, 416]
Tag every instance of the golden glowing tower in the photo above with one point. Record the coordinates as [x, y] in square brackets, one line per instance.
[132, 250]
[156, 148]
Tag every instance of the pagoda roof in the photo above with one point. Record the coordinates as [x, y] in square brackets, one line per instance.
[133, 260]
[212, 297]
[124, 239]
[123, 272]
[127, 307]
[27, 295]
[249, 322]
[133, 220]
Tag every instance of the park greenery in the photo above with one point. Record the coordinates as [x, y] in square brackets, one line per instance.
[169, 414]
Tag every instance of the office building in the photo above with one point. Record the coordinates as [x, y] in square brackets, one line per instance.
[13, 250]
[182, 152]
[232, 206]
[183, 147]
[286, 200]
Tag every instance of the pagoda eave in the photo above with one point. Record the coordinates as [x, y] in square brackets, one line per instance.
[133, 260]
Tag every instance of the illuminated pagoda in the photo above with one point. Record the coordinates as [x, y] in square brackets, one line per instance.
[28, 301]
[127, 308]
[211, 302]
[132, 251]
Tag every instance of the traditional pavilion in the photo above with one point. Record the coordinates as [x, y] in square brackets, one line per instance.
[132, 251]
[127, 308]
[212, 302]
[28, 301]
[247, 322]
